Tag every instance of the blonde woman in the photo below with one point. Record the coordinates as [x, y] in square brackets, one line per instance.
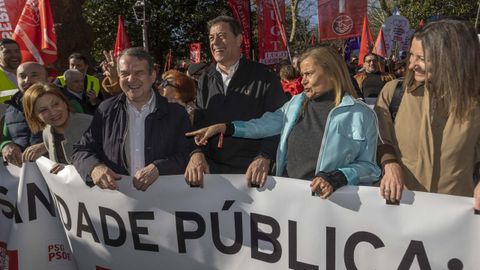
[327, 135]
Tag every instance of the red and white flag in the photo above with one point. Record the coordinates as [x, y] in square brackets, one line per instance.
[380, 48]
[195, 49]
[35, 33]
[271, 45]
[122, 42]
[241, 12]
[340, 18]
[10, 11]
[366, 42]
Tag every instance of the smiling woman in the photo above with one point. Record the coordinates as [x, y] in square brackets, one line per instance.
[47, 109]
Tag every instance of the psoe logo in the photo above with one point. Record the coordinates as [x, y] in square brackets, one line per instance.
[58, 252]
[342, 25]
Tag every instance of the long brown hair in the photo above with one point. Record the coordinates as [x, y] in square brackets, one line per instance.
[452, 61]
[334, 66]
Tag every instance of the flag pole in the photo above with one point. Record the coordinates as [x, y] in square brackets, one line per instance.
[478, 15]
[279, 18]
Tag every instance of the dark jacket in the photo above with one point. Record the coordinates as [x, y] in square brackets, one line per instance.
[104, 141]
[253, 90]
[16, 129]
[87, 108]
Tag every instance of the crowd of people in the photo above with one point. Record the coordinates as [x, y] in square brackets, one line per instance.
[237, 116]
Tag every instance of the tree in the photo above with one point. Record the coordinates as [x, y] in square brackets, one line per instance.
[172, 24]
[416, 10]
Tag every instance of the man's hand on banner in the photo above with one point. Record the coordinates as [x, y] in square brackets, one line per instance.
[321, 187]
[104, 177]
[145, 177]
[196, 167]
[12, 154]
[33, 152]
[257, 171]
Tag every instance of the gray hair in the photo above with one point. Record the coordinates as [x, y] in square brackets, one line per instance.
[139, 53]
[70, 72]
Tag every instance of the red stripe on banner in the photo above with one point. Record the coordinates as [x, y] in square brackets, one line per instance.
[100, 268]
[12, 259]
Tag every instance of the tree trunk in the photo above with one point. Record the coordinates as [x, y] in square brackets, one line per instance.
[293, 10]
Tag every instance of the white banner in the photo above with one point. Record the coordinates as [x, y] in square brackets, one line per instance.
[226, 225]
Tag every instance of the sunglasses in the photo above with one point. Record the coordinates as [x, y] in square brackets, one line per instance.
[371, 60]
[164, 83]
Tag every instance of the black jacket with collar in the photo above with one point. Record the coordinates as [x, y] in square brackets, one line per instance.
[252, 91]
[104, 141]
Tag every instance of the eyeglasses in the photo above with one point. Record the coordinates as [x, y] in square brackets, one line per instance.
[371, 60]
[164, 83]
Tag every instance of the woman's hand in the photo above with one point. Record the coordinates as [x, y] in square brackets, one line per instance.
[202, 135]
[391, 186]
[33, 152]
[321, 187]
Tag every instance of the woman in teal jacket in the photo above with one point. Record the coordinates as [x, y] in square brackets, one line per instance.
[326, 133]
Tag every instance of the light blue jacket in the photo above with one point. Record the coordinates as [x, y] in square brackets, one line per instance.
[349, 142]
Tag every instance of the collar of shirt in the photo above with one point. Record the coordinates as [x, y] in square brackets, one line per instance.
[226, 78]
[146, 108]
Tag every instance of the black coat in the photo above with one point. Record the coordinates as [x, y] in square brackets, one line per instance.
[17, 125]
[104, 141]
[253, 90]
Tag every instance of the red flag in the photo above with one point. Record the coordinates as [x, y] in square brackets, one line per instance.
[195, 49]
[122, 42]
[35, 34]
[241, 12]
[10, 11]
[279, 20]
[271, 47]
[340, 18]
[421, 24]
[366, 41]
[380, 49]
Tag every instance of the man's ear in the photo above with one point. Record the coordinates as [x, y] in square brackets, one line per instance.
[239, 40]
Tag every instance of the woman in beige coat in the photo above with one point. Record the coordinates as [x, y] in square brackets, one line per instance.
[433, 144]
